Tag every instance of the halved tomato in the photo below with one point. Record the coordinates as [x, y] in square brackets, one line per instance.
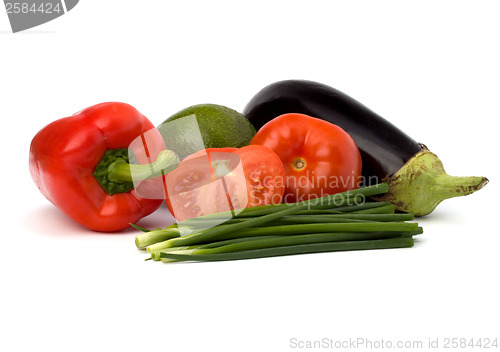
[215, 180]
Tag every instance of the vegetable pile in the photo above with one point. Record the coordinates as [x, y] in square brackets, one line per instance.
[331, 223]
[304, 169]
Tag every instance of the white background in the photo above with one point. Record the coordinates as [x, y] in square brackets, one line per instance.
[430, 67]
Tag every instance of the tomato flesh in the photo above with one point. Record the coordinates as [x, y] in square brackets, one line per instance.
[215, 180]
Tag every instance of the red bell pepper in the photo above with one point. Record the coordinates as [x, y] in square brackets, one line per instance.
[80, 164]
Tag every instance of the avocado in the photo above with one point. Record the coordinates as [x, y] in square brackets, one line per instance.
[219, 127]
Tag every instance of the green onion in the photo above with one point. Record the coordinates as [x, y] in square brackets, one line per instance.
[332, 223]
[327, 202]
[352, 212]
[143, 229]
[363, 216]
[154, 236]
[225, 232]
[270, 215]
[218, 231]
[251, 243]
[297, 229]
[156, 254]
[386, 209]
[231, 241]
[397, 242]
[357, 207]
[321, 237]
[331, 201]
[339, 210]
[305, 219]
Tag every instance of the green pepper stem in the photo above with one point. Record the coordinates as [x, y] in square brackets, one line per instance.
[116, 175]
[120, 170]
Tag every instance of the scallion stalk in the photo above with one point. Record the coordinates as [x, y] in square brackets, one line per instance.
[154, 236]
[270, 215]
[397, 242]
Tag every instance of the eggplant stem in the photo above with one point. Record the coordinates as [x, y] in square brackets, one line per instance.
[421, 184]
[453, 186]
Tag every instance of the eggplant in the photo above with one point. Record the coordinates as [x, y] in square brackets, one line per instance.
[416, 177]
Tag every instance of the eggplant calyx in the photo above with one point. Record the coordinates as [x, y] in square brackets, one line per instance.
[421, 184]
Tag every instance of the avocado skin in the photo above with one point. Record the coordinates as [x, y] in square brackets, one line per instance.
[220, 127]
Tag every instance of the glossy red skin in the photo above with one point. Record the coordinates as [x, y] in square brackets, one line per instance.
[65, 153]
[333, 161]
[262, 170]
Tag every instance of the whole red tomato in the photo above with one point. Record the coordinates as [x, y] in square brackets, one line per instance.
[319, 157]
[223, 179]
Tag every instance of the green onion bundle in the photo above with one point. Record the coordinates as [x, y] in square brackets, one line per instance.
[333, 223]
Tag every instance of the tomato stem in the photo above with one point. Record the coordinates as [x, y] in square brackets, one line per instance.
[299, 164]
